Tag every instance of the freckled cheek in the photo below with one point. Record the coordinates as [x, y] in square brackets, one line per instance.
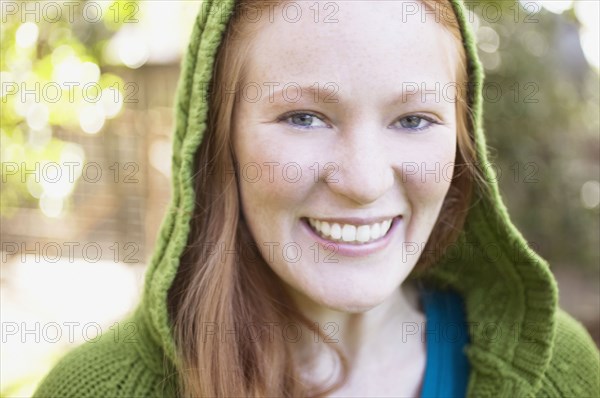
[426, 188]
[273, 180]
[271, 196]
[427, 175]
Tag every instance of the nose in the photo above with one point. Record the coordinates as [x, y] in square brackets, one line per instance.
[364, 171]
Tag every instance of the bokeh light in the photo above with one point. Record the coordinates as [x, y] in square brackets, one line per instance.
[590, 194]
[27, 35]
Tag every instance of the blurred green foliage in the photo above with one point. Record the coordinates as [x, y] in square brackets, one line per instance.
[51, 63]
[544, 129]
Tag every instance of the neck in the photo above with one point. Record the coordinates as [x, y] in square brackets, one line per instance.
[364, 337]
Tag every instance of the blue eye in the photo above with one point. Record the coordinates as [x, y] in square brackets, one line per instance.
[417, 122]
[305, 120]
[302, 120]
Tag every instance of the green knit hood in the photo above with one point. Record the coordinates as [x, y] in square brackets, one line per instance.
[509, 292]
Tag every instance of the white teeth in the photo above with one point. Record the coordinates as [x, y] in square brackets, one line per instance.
[386, 225]
[325, 228]
[375, 231]
[349, 232]
[363, 233]
[336, 231]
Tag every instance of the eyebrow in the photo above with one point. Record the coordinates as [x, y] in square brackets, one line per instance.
[420, 94]
[325, 92]
[328, 93]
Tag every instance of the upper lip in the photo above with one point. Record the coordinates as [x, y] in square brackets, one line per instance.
[355, 220]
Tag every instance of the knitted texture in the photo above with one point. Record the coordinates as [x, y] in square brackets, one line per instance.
[521, 343]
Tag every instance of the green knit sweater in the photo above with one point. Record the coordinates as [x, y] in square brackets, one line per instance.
[521, 343]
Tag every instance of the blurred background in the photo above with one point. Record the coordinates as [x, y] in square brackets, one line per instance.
[87, 91]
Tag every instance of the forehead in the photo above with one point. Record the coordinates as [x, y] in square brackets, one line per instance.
[375, 42]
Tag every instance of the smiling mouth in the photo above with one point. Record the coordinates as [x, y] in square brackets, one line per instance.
[349, 233]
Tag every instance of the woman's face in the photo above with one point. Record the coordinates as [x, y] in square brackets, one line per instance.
[360, 146]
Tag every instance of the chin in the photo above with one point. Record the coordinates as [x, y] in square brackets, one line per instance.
[350, 301]
[355, 307]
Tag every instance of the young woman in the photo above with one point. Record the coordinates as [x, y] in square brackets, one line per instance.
[335, 228]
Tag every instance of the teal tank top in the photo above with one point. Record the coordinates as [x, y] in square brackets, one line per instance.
[446, 335]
